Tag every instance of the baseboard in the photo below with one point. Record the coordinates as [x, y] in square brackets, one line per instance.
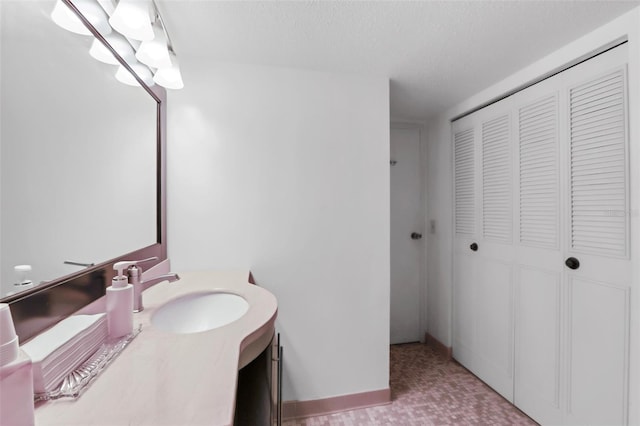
[439, 347]
[336, 404]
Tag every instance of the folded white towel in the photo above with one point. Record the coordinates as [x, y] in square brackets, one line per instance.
[58, 336]
[61, 349]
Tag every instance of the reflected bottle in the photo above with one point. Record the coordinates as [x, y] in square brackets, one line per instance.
[23, 282]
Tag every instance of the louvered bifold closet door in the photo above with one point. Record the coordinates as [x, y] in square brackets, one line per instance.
[539, 268]
[598, 291]
[494, 286]
[542, 304]
[465, 219]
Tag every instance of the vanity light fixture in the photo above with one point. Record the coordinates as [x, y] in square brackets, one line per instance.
[153, 59]
[132, 19]
[67, 19]
[170, 77]
[124, 76]
[120, 45]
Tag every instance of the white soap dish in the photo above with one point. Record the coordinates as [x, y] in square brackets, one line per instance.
[79, 379]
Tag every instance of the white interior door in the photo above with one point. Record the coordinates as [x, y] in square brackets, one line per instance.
[406, 219]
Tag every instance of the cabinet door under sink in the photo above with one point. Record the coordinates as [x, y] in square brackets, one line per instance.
[259, 393]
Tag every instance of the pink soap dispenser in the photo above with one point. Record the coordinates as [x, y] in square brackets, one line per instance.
[120, 303]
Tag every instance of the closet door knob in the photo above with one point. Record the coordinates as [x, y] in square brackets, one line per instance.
[572, 263]
[474, 247]
[416, 235]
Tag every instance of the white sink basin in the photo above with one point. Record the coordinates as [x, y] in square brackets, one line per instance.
[196, 312]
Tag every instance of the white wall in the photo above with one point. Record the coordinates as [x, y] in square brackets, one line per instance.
[439, 244]
[286, 172]
[440, 180]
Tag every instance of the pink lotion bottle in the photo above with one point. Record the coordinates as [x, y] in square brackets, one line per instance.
[120, 304]
[16, 376]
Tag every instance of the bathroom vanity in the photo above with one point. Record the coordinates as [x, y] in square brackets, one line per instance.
[169, 378]
[163, 377]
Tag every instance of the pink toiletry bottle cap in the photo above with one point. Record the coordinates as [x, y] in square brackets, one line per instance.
[8, 337]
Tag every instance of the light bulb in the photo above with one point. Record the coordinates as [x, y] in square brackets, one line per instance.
[120, 44]
[124, 76]
[169, 77]
[155, 53]
[131, 19]
[66, 18]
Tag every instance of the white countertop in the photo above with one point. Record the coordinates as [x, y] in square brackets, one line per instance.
[174, 379]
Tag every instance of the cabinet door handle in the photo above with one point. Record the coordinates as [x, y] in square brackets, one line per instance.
[572, 263]
[416, 235]
[474, 246]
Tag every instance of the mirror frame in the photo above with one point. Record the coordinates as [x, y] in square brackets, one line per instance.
[37, 309]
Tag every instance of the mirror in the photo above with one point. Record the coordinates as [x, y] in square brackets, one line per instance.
[79, 154]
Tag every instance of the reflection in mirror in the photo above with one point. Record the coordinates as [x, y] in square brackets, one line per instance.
[78, 153]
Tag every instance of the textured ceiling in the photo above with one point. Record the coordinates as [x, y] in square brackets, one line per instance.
[436, 53]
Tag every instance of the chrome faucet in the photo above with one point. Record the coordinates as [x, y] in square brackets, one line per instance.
[134, 273]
